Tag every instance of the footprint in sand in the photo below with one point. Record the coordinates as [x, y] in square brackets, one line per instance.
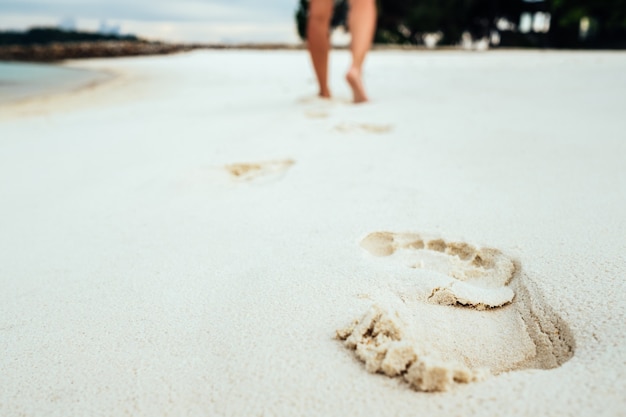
[255, 170]
[363, 127]
[476, 277]
[412, 332]
[313, 114]
[237, 173]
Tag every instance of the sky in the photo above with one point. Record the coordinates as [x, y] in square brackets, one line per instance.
[168, 20]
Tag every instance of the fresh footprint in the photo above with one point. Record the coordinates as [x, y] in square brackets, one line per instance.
[463, 313]
[477, 277]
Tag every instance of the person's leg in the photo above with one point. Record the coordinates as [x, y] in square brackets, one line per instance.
[318, 40]
[362, 23]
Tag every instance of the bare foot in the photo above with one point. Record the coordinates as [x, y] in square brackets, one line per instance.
[325, 93]
[356, 84]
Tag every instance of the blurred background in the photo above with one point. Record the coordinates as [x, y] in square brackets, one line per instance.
[202, 21]
[483, 23]
[468, 23]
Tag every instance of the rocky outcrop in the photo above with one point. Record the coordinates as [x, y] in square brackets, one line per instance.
[76, 50]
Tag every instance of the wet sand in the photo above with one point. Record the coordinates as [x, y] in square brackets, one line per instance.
[23, 81]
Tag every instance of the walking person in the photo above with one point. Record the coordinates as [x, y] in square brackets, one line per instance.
[362, 24]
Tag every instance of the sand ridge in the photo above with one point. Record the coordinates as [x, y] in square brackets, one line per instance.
[483, 321]
[379, 340]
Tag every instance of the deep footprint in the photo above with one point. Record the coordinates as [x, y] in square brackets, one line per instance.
[477, 277]
[412, 332]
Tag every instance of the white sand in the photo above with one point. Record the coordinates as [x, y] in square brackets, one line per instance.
[186, 239]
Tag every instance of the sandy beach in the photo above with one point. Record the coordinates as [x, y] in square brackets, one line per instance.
[200, 236]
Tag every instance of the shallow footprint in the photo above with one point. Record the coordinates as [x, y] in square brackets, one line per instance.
[316, 114]
[250, 171]
[363, 127]
[504, 325]
[257, 173]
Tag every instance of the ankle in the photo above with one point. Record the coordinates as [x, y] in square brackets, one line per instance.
[353, 72]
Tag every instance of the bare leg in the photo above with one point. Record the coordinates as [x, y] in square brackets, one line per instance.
[318, 41]
[362, 22]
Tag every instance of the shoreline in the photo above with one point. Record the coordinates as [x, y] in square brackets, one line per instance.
[93, 78]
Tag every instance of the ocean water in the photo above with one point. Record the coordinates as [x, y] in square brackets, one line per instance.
[19, 81]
